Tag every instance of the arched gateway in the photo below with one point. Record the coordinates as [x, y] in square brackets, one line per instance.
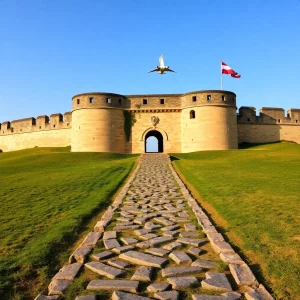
[160, 145]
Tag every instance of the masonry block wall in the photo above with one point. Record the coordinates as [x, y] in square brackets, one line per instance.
[195, 121]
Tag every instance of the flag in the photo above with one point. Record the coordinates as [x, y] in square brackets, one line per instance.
[227, 70]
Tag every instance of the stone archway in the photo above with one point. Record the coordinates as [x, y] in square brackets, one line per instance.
[160, 144]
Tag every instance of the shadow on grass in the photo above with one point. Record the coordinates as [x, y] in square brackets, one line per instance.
[245, 145]
[173, 158]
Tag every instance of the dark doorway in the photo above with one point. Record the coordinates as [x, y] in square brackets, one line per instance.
[154, 142]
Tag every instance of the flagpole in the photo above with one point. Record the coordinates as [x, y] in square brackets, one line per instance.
[221, 77]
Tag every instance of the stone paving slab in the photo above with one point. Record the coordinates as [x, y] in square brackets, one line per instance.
[103, 255]
[117, 295]
[204, 264]
[224, 296]
[118, 285]
[259, 293]
[92, 239]
[216, 282]
[168, 295]
[111, 243]
[157, 251]
[242, 274]
[143, 259]
[180, 271]
[80, 254]
[183, 282]
[143, 274]
[104, 270]
[68, 272]
[109, 235]
[180, 257]
[58, 287]
[158, 287]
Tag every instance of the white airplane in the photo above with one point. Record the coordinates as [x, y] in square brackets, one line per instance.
[161, 69]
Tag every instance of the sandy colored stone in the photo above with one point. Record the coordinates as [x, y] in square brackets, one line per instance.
[259, 293]
[204, 264]
[180, 257]
[232, 258]
[111, 243]
[104, 270]
[167, 295]
[172, 246]
[102, 255]
[221, 247]
[118, 263]
[158, 287]
[183, 282]
[129, 241]
[143, 274]
[80, 254]
[180, 271]
[148, 236]
[122, 249]
[108, 285]
[92, 239]
[58, 287]
[216, 282]
[143, 259]
[224, 296]
[109, 235]
[157, 251]
[195, 251]
[170, 228]
[242, 274]
[192, 242]
[125, 227]
[118, 295]
[68, 272]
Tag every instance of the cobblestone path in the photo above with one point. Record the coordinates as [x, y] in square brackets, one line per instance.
[155, 242]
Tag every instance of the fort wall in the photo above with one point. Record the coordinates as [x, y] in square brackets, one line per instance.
[44, 131]
[271, 125]
[194, 121]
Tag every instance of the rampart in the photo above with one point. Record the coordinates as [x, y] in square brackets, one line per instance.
[194, 121]
[36, 132]
[271, 125]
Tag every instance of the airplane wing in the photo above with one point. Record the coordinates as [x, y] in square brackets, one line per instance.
[169, 70]
[161, 61]
[155, 70]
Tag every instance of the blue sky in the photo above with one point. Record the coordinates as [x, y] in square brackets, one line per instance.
[51, 50]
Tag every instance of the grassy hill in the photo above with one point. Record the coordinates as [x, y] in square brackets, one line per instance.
[254, 195]
[48, 197]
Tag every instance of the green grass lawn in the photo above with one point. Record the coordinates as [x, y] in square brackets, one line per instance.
[48, 197]
[254, 195]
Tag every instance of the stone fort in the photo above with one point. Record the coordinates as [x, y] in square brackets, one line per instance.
[194, 121]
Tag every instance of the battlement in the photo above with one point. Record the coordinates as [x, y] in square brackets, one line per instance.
[159, 102]
[55, 121]
[268, 115]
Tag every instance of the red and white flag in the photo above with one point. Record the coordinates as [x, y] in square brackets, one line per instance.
[227, 70]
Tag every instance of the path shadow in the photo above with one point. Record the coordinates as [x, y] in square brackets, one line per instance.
[173, 158]
[246, 145]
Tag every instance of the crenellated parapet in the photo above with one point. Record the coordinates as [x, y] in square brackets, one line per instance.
[268, 116]
[41, 123]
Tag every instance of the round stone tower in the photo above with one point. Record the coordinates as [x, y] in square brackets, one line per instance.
[98, 122]
[209, 121]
